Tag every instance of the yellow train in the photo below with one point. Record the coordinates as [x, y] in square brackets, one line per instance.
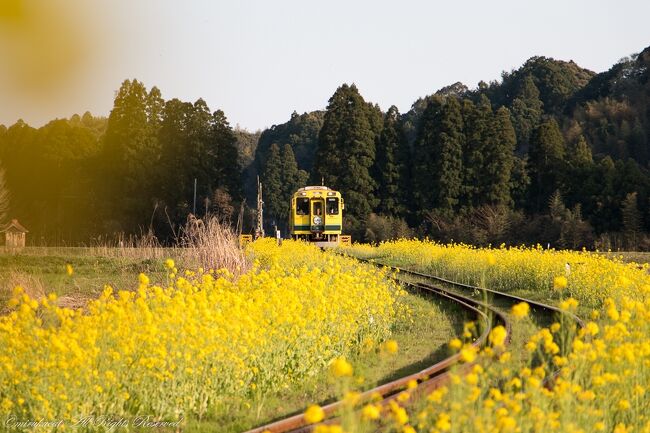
[317, 216]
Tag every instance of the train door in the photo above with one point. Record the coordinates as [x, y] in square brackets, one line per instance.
[318, 215]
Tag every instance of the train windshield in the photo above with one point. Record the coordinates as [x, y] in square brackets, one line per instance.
[302, 206]
[332, 206]
[318, 208]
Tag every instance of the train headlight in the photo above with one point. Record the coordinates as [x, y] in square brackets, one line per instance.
[318, 220]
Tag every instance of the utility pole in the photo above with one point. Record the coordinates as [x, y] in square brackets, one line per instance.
[194, 207]
[259, 230]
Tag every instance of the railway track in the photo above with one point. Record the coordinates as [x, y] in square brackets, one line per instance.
[438, 374]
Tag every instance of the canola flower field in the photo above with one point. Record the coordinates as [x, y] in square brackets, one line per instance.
[201, 346]
[578, 380]
[537, 272]
[208, 343]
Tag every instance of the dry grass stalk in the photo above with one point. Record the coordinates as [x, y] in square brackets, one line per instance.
[212, 245]
[31, 285]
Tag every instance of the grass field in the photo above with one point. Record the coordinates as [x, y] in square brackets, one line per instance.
[41, 272]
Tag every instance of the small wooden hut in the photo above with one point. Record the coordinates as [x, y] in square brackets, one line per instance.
[14, 235]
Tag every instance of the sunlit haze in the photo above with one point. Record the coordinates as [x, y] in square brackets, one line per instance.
[260, 60]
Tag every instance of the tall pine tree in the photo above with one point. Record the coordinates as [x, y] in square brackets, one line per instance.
[226, 168]
[424, 154]
[546, 155]
[272, 183]
[390, 166]
[477, 122]
[498, 160]
[527, 110]
[346, 151]
[439, 150]
[129, 145]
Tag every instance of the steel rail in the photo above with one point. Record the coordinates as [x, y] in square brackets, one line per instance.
[428, 378]
[435, 375]
[514, 298]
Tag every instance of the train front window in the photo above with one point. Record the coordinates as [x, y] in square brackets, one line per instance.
[302, 206]
[332, 206]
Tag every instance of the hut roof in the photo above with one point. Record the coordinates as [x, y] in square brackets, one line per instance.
[14, 226]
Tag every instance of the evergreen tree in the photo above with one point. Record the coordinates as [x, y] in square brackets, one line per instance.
[328, 163]
[498, 160]
[448, 164]
[293, 177]
[519, 182]
[129, 144]
[424, 155]
[556, 207]
[581, 154]
[390, 165]
[578, 176]
[527, 110]
[545, 161]
[439, 150]
[292, 180]
[196, 145]
[632, 221]
[273, 182]
[477, 122]
[605, 214]
[346, 151]
[154, 109]
[226, 166]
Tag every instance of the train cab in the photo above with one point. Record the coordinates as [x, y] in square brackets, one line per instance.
[317, 215]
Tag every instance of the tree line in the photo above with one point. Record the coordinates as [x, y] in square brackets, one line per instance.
[80, 179]
[551, 153]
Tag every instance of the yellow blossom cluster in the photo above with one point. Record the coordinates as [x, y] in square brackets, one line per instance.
[542, 272]
[203, 344]
[592, 379]
[565, 378]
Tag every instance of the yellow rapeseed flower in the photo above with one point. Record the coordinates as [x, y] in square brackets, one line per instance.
[468, 353]
[444, 422]
[498, 336]
[560, 283]
[569, 304]
[620, 428]
[352, 398]
[69, 270]
[391, 346]
[398, 413]
[520, 310]
[341, 368]
[371, 412]
[314, 414]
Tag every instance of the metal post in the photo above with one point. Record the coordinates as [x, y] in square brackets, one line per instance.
[194, 206]
[260, 210]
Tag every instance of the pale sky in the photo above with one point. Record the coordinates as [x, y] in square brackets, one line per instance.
[259, 60]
